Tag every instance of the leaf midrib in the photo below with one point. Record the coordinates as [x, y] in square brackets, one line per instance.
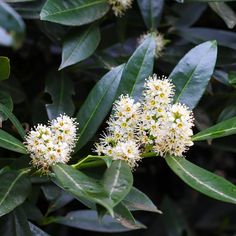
[74, 9]
[202, 183]
[10, 187]
[115, 180]
[190, 78]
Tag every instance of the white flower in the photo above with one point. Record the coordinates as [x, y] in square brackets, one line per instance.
[179, 131]
[120, 6]
[160, 42]
[52, 144]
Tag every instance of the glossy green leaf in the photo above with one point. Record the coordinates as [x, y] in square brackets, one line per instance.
[137, 200]
[117, 181]
[225, 12]
[74, 12]
[80, 185]
[97, 105]
[61, 89]
[9, 142]
[79, 46]
[202, 180]
[137, 69]
[222, 129]
[11, 26]
[88, 220]
[13, 119]
[15, 224]
[193, 72]
[151, 11]
[125, 217]
[14, 189]
[4, 68]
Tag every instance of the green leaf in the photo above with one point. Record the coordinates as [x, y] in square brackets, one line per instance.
[36, 231]
[124, 217]
[81, 186]
[222, 129]
[88, 220]
[4, 68]
[15, 224]
[117, 181]
[79, 46]
[5, 99]
[136, 200]
[97, 105]
[14, 189]
[11, 26]
[225, 12]
[137, 69]
[193, 73]
[151, 11]
[61, 89]
[202, 180]
[13, 119]
[9, 142]
[74, 12]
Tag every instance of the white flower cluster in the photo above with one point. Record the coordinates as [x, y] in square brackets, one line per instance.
[52, 144]
[151, 125]
[160, 42]
[120, 6]
[119, 142]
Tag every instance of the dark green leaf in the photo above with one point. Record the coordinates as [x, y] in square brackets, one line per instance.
[137, 69]
[80, 185]
[202, 180]
[15, 224]
[151, 11]
[224, 128]
[124, 217]
[61, 89]
[117, 181]
[97, 105]
[6, 101]
[136, 200]
[74, 12]
[4, 68]
[88, 220]
[79, 46]
[14, 189]
[35, 231]
[9, 142]
[13, 119]
[193, 73]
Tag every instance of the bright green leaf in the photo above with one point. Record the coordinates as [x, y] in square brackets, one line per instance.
[137, 69]
[193, 72]
[224, 128]
[4, 68]
[74, 12]
[79, 46]
[202, 180]
[14, 189]
[97, 105]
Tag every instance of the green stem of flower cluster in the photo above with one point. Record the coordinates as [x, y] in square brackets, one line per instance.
[81, 164]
